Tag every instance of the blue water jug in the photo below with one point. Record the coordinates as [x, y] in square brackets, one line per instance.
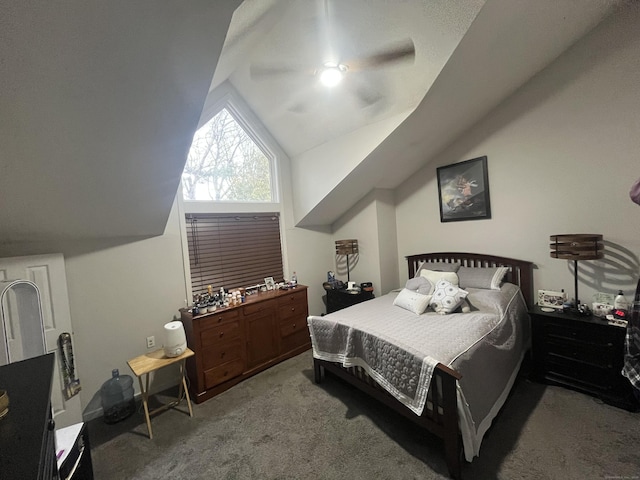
[117, 397]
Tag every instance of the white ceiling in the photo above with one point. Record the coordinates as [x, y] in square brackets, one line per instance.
[99, 100]
[304, 34]
[469, 56]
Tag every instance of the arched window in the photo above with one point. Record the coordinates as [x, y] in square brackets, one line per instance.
[227, 163]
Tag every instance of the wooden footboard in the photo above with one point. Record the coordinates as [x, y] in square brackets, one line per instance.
[440, 415]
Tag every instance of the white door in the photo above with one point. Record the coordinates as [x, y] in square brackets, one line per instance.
[48, 273]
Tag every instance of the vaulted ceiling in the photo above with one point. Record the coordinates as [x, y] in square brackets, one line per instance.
[99, 101]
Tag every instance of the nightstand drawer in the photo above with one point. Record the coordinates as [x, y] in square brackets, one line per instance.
[583, 333]
[594, 377]
[603, 356]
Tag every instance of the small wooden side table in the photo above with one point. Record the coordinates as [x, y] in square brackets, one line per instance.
[150, 362]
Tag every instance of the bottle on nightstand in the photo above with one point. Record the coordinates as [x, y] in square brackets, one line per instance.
[620, 302]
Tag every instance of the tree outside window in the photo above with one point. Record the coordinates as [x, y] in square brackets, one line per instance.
[225, 164]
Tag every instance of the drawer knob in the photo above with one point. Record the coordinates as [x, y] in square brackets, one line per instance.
[294, 325]
[293, 309]
[221, 334]
[223, 354]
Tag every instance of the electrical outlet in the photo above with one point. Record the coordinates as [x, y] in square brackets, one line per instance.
[151, 341]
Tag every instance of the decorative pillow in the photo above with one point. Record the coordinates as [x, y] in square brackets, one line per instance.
[465, 306]
[438, 267]
[434, 277]
[420, 285]
[413, 301]
[481, 277]
[447, 297]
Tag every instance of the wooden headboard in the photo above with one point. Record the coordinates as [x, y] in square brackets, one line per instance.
[520, 272]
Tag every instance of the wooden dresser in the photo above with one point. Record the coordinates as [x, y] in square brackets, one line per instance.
[234, 343]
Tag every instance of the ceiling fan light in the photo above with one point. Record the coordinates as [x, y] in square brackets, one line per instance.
[332, 75]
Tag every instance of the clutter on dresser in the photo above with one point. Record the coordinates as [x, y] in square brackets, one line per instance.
[233, 343]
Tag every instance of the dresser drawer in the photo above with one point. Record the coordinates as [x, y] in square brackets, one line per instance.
[218, 318]
[291, 297]
[297, 339]
[220, 334]
[225, 352]
[227, 371]
[293, 310]
[292, 325]
[257, 307]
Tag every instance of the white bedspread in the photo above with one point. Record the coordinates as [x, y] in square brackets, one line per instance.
[400, 350]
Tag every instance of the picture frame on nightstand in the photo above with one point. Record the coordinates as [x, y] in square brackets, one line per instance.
[551, 299]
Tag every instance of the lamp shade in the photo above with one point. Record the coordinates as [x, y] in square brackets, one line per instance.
[346, 247]
[578, 246]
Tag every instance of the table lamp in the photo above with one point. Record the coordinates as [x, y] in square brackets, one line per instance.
[579, 246]
[347, 247]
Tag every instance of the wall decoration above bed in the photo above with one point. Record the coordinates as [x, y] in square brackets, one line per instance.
[463, 191]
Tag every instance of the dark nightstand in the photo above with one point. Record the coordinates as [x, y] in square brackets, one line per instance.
[584, 353]
[342, 298]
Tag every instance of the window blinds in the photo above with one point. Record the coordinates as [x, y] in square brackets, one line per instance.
[233, 251]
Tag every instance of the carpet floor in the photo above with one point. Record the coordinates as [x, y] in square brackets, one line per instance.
[280, 425]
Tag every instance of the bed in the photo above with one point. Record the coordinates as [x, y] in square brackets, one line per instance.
[449, 373]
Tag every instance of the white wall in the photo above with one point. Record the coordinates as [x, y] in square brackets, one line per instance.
[562, 155]
[317, 171]
[372, 222]
[118, 296]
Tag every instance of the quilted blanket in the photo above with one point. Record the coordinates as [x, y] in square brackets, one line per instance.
[400, 350]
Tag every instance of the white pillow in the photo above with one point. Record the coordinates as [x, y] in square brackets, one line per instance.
[481, 277]
[447, 297]
[435, 276]
[413, 301]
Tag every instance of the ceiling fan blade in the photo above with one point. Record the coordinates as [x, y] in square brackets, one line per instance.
[366, 94]
[404, 50]
[259, 72]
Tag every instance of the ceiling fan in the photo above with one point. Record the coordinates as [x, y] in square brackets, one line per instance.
[332, 73]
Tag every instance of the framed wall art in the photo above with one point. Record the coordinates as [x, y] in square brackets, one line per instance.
[463, 191]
